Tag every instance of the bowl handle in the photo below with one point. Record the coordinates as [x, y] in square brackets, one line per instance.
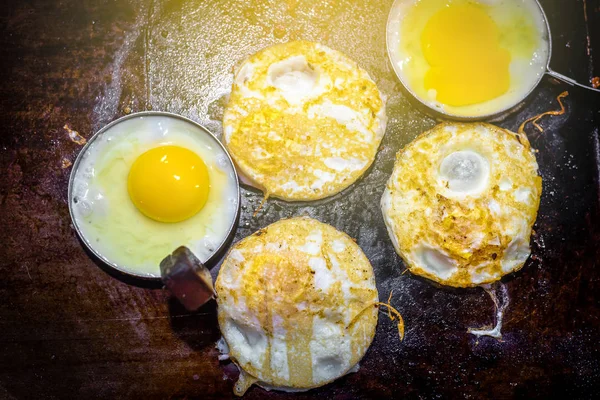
[569, 81]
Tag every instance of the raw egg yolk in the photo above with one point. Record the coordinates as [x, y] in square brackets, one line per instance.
[468, 66]
[168, 183]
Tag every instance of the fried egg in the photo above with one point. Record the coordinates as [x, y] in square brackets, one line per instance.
[303, 121]
[296, 305]
[149, 184]
[461, 202]
[468, 58]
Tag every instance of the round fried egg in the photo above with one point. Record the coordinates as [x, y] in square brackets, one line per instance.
[149, 184]
[303, 121]
[461, 203]
[296, 305]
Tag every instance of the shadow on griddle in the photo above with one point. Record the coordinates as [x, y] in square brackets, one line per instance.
[199, 329]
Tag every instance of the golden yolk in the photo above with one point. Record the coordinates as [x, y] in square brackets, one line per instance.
[467, 64]
[168, 183]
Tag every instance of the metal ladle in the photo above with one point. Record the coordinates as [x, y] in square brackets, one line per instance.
[392, 28]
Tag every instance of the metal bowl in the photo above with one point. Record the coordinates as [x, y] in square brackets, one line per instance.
[122, 270]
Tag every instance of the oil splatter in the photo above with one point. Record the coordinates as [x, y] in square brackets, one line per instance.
[65, 163]
[536, 118]
[108, 102]
[74, 135]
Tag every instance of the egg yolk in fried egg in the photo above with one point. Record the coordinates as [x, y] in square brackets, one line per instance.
[168, 183]
[468, 66]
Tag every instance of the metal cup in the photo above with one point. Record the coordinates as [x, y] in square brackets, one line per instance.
[122, 270]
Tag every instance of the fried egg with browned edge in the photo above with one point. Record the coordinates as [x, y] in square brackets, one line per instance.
[303, 121]
[461, 203]
[296, 305]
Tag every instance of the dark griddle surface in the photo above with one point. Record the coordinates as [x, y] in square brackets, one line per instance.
[69, 330]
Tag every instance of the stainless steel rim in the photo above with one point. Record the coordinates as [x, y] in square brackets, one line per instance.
[447, 115]
[119, 268]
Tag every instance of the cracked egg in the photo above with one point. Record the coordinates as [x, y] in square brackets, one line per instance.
[296, 305]
[303, 121]
[461, 203]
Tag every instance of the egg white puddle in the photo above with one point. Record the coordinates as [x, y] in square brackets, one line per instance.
[499, 295]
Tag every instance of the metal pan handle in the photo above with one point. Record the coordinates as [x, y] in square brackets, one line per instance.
[568, 80]
[187, 278]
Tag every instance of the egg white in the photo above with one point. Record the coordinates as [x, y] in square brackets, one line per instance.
[112, 225]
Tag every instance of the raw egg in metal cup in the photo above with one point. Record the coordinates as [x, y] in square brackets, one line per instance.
[151, 182]
[468, 59]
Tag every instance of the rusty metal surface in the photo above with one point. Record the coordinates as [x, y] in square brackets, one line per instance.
[70, 330]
